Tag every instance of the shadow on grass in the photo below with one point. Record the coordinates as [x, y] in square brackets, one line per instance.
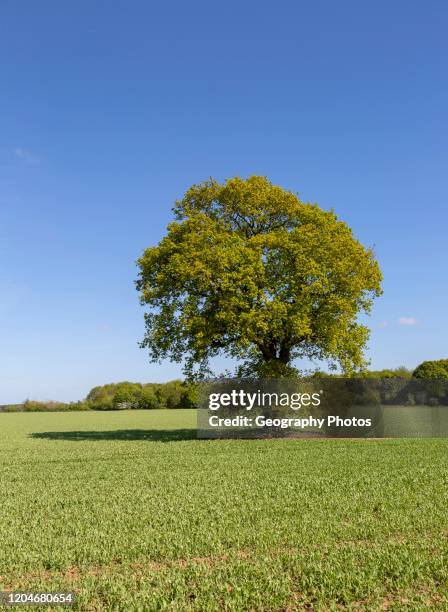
[152, 435]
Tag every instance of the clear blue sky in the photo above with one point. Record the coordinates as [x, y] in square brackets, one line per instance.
[110, 110]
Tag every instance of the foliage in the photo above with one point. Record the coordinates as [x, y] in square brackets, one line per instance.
[435, 376]
[400, 372]
[120, 396]
[432, 369]
[149, 398]
[178, 394]
[250, 271]
[49, 406]
[101, 397]
[128, 395]
[132, 513]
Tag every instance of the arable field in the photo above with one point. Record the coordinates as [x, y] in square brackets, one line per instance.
[131, 512]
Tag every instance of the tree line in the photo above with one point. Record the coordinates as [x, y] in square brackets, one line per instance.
[180, 394]
[119, 396]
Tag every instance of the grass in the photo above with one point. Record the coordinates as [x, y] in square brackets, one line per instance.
[129, 510]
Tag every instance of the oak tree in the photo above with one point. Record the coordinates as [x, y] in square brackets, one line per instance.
[248, 270]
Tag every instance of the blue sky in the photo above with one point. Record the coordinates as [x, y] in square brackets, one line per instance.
[110, 110]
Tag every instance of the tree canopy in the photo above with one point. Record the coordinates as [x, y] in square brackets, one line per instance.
[250, 271]
[123, 395]
[432, 369]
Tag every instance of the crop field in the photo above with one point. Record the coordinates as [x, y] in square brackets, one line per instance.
[131, 512]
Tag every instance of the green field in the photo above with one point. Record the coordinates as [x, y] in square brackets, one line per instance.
[129, 510]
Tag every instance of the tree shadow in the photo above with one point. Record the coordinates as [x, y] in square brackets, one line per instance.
[151, 435]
